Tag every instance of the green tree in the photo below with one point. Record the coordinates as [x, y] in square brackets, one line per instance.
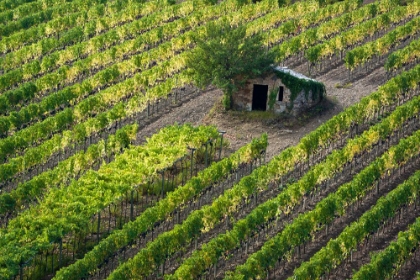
[226, 58]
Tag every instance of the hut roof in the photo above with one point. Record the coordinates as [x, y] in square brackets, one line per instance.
[292, 73]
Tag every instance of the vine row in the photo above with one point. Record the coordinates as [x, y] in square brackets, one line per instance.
[212, 251]
[402, 57]
[73, 167]
[172, 205]
[61, 209]
[370, 221]
[362, 31]
[386, 263]
[362, 54]
[301, 228]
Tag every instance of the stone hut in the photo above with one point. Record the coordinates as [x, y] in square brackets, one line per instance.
[280, 90]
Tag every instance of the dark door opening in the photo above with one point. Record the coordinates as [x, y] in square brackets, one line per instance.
[281, 91]
[259, 97]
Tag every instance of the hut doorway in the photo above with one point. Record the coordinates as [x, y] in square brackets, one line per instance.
[259, 97]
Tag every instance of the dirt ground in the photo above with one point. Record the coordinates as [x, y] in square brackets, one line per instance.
[241, 127]
[282, 131]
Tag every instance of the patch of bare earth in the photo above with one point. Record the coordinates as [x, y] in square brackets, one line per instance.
[283, 131]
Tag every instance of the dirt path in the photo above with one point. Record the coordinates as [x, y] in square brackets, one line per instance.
[241, 127]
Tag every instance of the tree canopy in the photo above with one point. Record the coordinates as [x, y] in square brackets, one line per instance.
[226, 58]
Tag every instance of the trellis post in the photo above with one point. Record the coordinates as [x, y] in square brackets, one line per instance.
[221, 143]
[192, 159]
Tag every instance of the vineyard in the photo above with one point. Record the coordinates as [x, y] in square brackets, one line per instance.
[114, 165]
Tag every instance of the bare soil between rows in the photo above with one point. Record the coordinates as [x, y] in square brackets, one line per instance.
[283, 131]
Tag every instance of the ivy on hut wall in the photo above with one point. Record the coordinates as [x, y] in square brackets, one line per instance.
[296, 85]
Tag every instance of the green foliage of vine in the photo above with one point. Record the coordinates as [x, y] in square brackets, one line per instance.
[257, 264]
[144, 222]
[355, 233]
[212, 251]
[386, 263]
[97, 188]
[284, 3]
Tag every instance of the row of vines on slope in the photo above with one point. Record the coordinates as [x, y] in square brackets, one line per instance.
[212, 251]
[386, 263]
[92, 124]
[398, 59]
[62, 210]
[191, 227]
[131, 231]
[302, 228]
[362, 54]
[126, 88]
[385, 208]
[362, 31]
[152, 28]
[66, 75]
[16, 200]
[95, 20]
[60, 116]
